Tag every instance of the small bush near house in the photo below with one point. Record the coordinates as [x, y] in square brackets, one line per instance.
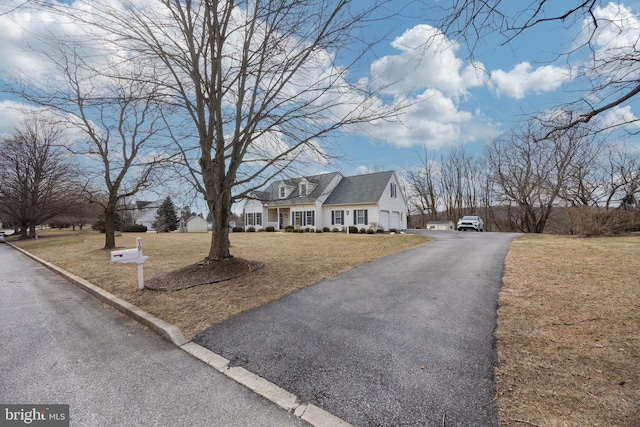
[371, 231]
[251, 229]
[306, 230]
[353, 229]
[135, 228]
[237, 229]
[380, 230]
[260, 230]
[289, 228]
[325, 229]
[270, 228]
[393, 230]
[336, 230]
[319, 231]
[362, 231]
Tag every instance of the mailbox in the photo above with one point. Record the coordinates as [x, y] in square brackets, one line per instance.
[127, 255]
[133, 256]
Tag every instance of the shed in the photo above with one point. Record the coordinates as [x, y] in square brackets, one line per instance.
[195, 224]
[440, 225]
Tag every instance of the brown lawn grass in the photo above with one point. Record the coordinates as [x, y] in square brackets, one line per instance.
[292, 261]
[568, 334]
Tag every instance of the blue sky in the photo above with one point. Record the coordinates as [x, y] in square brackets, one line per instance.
[456, 102]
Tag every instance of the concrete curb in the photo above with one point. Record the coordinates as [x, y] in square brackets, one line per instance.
[307, 412]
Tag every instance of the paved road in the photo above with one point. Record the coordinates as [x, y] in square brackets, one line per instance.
[59, 345]
[404, 341]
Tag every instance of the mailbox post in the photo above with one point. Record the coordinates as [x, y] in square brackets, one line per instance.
[131, 256]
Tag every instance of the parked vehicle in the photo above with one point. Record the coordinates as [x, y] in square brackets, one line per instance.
[470, 222]
[1, 236]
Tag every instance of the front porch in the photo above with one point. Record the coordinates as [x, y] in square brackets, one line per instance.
[278, 218]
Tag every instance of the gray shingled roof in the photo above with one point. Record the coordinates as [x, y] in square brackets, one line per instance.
[271, 196]
[360, 189]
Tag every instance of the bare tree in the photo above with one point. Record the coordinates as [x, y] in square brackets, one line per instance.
[530, 173]
[37, 180]
[461, 183]
[256, 84]
[454, 182]
[423, 183]
[623, 177]
[114, 111]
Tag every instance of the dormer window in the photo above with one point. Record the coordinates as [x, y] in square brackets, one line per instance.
[283, 192]
[303, 189]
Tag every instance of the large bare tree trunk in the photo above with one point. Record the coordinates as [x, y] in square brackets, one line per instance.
[220, 243]
[109, 229]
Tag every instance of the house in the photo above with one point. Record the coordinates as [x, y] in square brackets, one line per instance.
[145, 213]
[440, 225]
[329, 200]
[193, 224]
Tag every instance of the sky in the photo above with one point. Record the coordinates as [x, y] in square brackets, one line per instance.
[457, 101]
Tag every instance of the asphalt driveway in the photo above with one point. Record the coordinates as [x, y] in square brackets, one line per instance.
[403, 341]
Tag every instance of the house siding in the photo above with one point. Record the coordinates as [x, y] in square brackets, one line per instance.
[393, 209]
[370, 192]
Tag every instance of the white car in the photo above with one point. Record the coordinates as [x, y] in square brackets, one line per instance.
[470, 222]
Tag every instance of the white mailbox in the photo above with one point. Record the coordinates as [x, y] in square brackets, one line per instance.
[133, 256]
[127, 255]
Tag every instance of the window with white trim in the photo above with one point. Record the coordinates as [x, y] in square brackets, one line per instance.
[297, 218]
[394, 190]
[360, 217]
[303, 189]
[310, 217]
[337, 217]
[253, 218]
[283, 192]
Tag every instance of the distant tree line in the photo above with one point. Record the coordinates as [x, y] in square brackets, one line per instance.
[533, 179]
[37, 177]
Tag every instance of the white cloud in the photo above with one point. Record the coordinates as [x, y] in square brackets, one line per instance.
[363, 170]
[615, 41]
[619, 116]
[11, 115]
[14, 113]
[433, 121]
[427, 75]
[427, 59]
[523, 79]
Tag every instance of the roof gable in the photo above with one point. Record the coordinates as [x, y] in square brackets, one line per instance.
[360, 189]
[319, 183]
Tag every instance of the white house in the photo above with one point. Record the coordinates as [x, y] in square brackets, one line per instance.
[329, 200]
[146, 212]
